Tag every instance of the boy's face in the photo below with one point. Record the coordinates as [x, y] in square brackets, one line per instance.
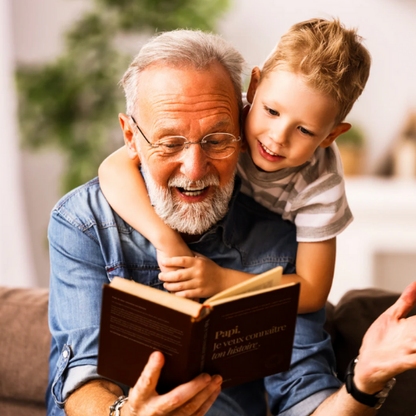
[288, 120]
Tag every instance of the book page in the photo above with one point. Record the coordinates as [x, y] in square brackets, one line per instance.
[264, 281]
[169, 300]
[219, 301]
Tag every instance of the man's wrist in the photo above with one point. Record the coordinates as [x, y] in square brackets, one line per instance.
[115, 408]
[371, 396]
[365, 378]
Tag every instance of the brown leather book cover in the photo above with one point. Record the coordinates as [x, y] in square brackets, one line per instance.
[252, 337]
[241, 339]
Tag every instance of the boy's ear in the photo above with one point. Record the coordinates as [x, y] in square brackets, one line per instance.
[243, 147]
[254, 83]
[128, 134]
[337, 131]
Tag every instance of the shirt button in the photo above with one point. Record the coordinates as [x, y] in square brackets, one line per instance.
[65, 354]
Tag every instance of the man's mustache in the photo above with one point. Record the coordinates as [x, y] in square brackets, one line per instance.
[181, 181]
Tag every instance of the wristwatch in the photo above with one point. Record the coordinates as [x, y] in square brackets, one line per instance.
[375, 400]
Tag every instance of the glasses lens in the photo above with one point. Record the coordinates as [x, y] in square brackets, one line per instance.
[219, 145]
[172, 145]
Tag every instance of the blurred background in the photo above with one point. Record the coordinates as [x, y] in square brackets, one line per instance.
[60, 62]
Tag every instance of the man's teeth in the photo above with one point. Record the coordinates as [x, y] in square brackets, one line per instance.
[267, 150]
[192, 192]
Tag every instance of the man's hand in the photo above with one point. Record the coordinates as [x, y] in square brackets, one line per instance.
[190, 399]
[389, 346]
[388, 349]
[195, 277]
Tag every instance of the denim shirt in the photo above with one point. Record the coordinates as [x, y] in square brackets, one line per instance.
[90, 244]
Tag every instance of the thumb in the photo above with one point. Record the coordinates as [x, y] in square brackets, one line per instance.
[405, 303]
[147, 382]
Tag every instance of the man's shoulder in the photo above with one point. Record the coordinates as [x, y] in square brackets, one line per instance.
[85, 206]
[78, 194]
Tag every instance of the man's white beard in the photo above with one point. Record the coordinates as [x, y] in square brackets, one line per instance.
[189, 218]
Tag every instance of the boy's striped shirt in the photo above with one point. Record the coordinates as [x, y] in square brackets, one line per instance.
[312, 195]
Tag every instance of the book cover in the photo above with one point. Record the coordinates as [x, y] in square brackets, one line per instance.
[243, 333]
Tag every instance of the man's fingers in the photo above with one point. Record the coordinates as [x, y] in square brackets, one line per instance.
[146, 384]
[209, 402]
[176, 398]
[200, 404]
[405, 303]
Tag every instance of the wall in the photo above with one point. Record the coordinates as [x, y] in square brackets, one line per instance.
[37, 28]
[16, 267]
[253, 27]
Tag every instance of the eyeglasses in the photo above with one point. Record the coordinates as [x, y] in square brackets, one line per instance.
[215, 145]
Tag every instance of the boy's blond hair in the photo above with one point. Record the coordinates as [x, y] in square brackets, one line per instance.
[330, 57]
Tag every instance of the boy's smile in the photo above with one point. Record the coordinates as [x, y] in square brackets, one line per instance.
[288, 120]
[267, 154]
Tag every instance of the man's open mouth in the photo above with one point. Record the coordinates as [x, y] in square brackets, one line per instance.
[192, 191]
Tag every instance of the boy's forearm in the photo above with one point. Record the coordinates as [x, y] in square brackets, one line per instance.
[233, 277]
[315, 264]
[312, 298]
[125, 189]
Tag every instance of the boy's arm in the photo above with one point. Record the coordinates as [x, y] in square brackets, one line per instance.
[201, 277]
[315, 264]
[125, 190]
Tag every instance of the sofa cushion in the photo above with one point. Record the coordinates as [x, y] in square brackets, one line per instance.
[24, 344]
[351, 318]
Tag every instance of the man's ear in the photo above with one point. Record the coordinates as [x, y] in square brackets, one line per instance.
[341, 128]
[254, 83]
[128, 134]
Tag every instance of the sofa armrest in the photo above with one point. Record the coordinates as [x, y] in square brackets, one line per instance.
[24, 345]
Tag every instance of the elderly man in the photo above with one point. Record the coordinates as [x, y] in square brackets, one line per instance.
[188, 84]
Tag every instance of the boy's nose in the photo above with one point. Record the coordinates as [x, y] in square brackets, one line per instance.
[279, 135]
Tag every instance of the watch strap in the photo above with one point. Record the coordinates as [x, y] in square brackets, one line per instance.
[375, 400]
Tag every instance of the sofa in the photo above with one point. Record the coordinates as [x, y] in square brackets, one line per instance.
[25, 339]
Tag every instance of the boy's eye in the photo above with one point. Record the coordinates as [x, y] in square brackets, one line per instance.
[271, 111]
[304, 131]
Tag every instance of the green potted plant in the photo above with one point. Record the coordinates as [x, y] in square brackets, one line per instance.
[71, 104]
[351, 146]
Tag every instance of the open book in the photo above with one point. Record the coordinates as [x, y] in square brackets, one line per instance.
[242, 333]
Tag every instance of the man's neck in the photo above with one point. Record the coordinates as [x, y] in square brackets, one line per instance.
[190, 238]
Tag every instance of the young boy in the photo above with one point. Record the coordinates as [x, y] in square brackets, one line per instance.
[298, 100]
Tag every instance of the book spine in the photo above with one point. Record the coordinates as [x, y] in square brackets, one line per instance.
[204, 345]
[197, 347]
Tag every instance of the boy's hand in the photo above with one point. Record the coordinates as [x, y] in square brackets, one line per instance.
[195, 277]
[179, 251]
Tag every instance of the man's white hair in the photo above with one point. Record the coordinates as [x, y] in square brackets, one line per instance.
[182, 48]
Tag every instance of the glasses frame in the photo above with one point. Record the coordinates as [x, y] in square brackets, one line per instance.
[187, 143]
